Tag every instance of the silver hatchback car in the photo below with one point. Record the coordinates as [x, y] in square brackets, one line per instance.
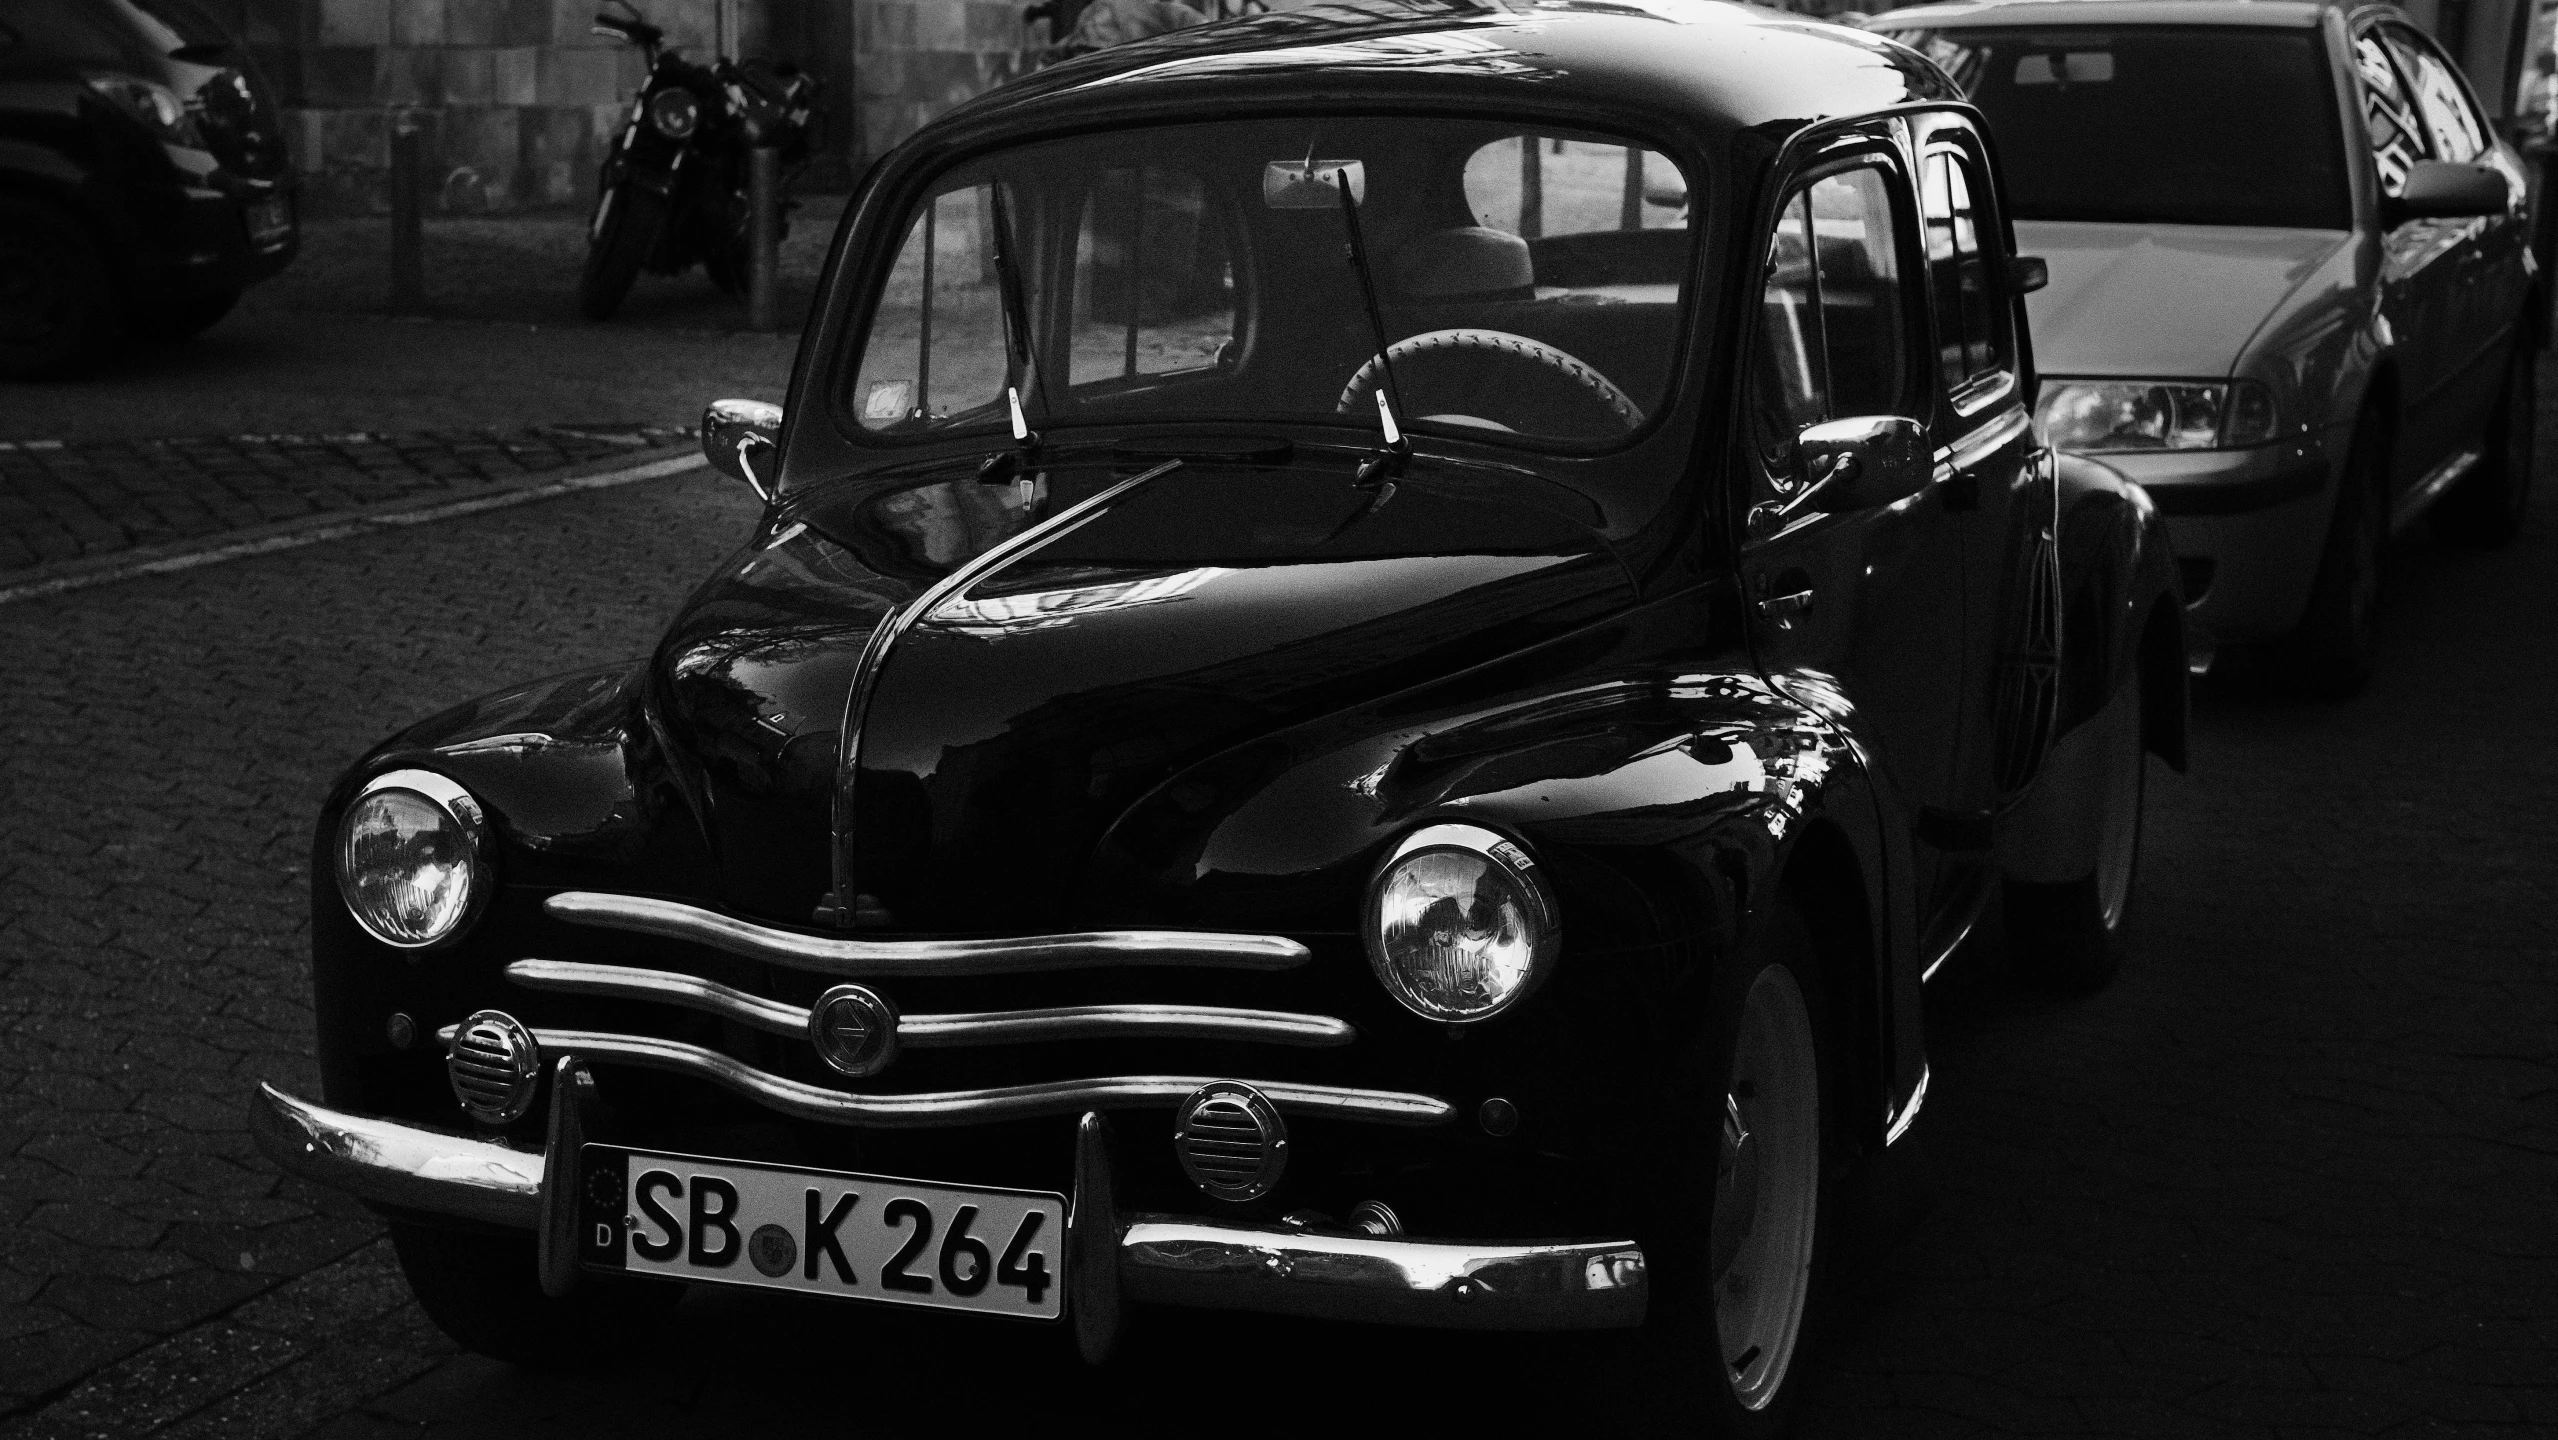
[2291, 290]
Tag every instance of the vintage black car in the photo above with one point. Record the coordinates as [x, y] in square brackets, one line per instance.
[1384, 643]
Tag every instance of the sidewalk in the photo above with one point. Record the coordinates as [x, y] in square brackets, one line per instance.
[83, 500]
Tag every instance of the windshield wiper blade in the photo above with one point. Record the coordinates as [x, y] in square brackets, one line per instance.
[1375, 468]
[1012, 463]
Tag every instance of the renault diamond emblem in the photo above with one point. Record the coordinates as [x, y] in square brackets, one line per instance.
[855, 1031]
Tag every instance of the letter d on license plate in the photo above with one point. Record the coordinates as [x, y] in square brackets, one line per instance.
[824, 1232]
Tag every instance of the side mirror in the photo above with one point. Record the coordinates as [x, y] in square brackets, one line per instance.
[742, 440]
[2027, 274]
[2447, 190]
[1853, 464]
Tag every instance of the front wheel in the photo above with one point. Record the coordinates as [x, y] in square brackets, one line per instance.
[628, 219]
[1743, 1244]
[483, 1290]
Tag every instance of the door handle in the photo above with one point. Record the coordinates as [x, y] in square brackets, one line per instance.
[1779, 607]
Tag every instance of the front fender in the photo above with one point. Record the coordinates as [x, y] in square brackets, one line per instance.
[2122, 642]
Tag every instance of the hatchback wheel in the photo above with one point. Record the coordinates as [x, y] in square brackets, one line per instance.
[57, 302]
[2486, 508]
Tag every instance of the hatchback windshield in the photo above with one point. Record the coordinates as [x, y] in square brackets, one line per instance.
[2196, 125]
[1532, 287]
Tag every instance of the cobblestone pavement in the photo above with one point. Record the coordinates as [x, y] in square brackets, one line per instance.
[164, 746]
[78, 500]
[2291, 1176]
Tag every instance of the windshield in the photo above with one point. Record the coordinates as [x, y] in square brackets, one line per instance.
[1532, 287]
[2194, 125]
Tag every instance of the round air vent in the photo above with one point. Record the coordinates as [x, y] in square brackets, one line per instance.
[1230, 1140]
[494, 1066]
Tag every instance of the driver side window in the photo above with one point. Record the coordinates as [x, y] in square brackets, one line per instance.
[1833, 337]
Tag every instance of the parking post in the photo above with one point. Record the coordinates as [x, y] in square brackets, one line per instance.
[763, 259]
[408, 241]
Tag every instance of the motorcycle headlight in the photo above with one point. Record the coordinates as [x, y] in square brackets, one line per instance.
[2101, 415]
[413, 859]
[675, 113]
[1460, 925]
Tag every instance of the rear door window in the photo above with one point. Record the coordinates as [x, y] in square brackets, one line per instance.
[1974, 351]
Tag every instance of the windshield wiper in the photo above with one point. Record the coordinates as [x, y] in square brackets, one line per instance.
[1377, 468]
[1016, 462]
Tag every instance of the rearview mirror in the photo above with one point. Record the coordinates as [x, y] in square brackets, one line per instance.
[2447, 190]
[1312, 184]
[742, 440]
[1853, 464]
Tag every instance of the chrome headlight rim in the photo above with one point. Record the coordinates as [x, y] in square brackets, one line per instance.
[464, 811]
[1505, 854]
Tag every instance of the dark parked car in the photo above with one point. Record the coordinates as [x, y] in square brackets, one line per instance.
[2291, 287]
[1384, 645]
[143, 178]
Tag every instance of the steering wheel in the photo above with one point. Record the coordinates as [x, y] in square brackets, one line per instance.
[1447, 375]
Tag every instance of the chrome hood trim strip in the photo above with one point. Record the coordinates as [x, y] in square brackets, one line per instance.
[925, 1032]
[887, 959]
[977, 1107]
[874, 656]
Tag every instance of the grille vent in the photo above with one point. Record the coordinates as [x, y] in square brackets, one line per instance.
[1230, 1140]
[494, 1066]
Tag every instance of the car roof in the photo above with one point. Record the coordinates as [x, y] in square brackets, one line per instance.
[1727, 65]
[2275, 14]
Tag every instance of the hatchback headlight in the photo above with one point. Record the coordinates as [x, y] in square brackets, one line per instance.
[675, 113]
[413, 859]
[1460, 925]
[158, 107]
[2100, 415]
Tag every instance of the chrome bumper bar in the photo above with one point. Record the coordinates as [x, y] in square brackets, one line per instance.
[1159, 1259]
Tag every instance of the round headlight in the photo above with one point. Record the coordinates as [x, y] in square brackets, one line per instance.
[1460, 926]
[413, 858]
[675, 113]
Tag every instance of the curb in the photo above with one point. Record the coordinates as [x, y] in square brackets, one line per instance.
[65, 576]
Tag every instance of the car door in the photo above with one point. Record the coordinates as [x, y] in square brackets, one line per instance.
[2487, 277]
[1858, 613]
[2419, 272]
[1993, 492]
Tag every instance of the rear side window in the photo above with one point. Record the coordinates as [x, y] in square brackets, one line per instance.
[1536, 185]
[1972, 344]
[1833, 319]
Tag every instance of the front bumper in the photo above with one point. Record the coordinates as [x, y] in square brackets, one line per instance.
[1169, 1260]
[2247, 527]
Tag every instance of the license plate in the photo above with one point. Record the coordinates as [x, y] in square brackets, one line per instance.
[270, 222]
[823, 1232]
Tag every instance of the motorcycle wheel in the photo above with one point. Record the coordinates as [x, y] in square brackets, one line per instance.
[625, 231]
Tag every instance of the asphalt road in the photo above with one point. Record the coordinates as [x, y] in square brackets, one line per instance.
[2292, 1175]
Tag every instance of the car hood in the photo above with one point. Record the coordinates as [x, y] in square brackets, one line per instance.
[2160, 300]
[1008, 728]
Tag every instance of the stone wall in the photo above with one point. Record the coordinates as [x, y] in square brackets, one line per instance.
[913, 59]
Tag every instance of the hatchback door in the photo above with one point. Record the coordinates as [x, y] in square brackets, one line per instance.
[1860, 612]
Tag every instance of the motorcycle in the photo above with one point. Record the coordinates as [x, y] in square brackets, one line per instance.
[673, 191]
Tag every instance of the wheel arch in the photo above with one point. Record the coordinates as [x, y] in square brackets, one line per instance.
[1827, 881]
